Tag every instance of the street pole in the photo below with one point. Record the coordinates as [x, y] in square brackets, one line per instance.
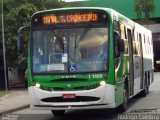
[4, 55]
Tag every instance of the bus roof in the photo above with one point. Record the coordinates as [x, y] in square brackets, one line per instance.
[113, 14]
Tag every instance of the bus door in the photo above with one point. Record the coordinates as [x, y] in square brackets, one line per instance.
[131, 65]
[141, 60]
[137, 62]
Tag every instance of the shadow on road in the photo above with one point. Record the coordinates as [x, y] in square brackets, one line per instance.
[98, 114]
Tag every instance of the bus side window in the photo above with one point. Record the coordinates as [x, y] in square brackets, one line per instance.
[117, 43]
[116, 27]
[124, 37]
[118, 47]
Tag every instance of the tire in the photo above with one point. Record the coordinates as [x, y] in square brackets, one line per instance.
[58, 112]
[145, 91]
[123, 107]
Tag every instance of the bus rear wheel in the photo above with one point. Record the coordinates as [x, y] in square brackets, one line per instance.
[145, 91]
[58, 112]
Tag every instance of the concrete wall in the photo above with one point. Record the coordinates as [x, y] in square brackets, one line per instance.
[155, 28]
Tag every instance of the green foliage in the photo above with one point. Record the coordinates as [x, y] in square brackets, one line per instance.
[76, 4]
[144, 7]
[2, 93]
[17, 13]
[14, 19]
[48, 4]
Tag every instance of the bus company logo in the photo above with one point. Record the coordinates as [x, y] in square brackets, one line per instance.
[68, 85]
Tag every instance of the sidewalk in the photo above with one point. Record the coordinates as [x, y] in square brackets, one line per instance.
[15, 99]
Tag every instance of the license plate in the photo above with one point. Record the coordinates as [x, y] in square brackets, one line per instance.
[69, 96]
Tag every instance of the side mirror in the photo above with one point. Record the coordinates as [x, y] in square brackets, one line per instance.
[20, 44]
[20, 41]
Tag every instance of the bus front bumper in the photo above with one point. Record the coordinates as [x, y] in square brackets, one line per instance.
[101, 97]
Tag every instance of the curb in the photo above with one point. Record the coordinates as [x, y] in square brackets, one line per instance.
[14, 109]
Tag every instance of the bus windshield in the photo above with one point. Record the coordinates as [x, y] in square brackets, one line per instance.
[70, 49]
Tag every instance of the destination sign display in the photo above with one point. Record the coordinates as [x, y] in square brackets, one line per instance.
[72, 18]
[56, 18]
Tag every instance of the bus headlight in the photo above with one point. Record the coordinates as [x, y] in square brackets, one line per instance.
[102, 83]
[37, 85]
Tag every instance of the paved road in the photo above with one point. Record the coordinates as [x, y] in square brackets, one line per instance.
[152, 101]
[149, 104]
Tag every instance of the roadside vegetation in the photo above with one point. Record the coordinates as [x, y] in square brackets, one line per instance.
[2, 93]
[17, 13]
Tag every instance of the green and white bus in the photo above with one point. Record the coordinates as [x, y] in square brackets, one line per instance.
[86, 58]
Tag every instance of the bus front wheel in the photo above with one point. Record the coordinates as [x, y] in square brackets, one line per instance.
[58, 112]
[123, 107]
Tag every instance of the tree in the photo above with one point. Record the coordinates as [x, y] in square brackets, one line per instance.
[144, 7]
[48, 4]
[15, 17]
[17, 13]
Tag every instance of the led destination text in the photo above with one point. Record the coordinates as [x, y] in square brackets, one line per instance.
[74, 18]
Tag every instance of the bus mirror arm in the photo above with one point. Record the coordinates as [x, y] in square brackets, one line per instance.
[20, 41]
[23, 29]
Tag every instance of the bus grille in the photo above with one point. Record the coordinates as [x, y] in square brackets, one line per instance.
[77, 99]
[74, 88]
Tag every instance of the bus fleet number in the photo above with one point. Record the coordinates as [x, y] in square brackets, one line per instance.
[95, 76]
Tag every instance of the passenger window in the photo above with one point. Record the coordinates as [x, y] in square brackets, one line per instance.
[135, 48]
[119, 43]
[116, 42]
[116, 26]
[124, 37]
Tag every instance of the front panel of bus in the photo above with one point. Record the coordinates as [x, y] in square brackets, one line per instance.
[69, 54]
